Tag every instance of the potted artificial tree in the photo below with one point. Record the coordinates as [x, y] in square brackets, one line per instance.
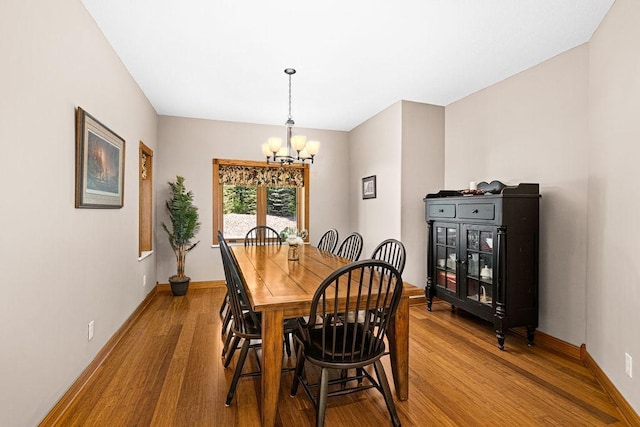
[184, 226]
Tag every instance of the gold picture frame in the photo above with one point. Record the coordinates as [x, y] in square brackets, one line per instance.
[99, 164]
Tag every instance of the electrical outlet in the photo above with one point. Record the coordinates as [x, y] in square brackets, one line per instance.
[144, 281]
[628, 365]
[90, 330]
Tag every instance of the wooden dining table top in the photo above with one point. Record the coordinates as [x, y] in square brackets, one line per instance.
[274, 281]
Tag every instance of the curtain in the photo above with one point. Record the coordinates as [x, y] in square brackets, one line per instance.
[261, 176]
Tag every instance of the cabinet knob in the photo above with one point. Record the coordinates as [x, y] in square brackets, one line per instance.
[441, 210]
[475, 211]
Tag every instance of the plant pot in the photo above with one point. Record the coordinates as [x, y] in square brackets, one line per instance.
[179, 286]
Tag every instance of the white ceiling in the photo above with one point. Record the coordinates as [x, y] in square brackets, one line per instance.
[224, 60]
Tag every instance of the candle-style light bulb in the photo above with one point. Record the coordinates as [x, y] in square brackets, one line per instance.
[266, 151]
[298, 142]
[274, 144]
[313, 147]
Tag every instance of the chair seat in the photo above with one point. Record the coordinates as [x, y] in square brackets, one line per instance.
[253, 331]
[344, 354]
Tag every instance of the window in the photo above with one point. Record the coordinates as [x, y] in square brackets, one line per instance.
[145, 202]
[246, 194]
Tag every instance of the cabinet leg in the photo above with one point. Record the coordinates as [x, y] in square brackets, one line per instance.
[428, 292]
[530, 333]
[500, 336]
[498, 323]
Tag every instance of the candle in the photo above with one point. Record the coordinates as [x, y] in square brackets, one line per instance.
[473, 185]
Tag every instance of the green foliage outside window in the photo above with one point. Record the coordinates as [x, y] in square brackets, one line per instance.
[281, 201]
[239, 199]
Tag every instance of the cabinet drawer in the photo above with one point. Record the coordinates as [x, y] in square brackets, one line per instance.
[442, 211]
[477, 211]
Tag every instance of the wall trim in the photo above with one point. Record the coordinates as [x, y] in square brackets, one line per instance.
[627, 411]
[165, 287]
[581, 354]
[552, 343]
[70, 395]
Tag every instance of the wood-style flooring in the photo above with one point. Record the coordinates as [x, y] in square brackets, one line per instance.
[167, 371]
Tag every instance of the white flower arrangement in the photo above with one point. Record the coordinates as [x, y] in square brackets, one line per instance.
[292, 236]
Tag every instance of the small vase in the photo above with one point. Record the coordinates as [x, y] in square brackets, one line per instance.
[293, 254]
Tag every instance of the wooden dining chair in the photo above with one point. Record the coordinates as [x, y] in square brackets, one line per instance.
[393, 252]
[330, 340]
[226, 314]
[246, 325]
[226, 334]
[259, 235]
[351, 247]
[329, 240]
[262, 235]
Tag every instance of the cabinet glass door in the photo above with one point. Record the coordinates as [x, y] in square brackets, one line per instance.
[446, 256]
[480, 255]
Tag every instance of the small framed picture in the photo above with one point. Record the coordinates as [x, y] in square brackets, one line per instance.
[99, 164]
[369, 187]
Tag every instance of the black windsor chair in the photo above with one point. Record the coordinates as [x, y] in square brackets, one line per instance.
[351, 247]
[262, 235]
[329, 240]
[331, 341]
[393, 252]
[246, 324]
[259, 235]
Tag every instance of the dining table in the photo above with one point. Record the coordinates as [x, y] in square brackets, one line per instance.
[280, 288]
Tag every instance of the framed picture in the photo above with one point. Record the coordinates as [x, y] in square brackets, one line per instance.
[369, 187]
[99, 164]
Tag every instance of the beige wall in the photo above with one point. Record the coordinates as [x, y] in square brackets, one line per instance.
[613, 267]
[375, 148]
[533, 127]
[188, 146]
[403, 146]
[62, 266]
[422, 173]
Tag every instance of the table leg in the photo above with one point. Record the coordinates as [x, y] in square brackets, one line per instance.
[272, 331]
[398, 335]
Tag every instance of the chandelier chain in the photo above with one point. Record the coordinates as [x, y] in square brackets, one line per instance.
[289, 97]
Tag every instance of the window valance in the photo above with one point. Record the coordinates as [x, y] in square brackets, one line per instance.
[261, 176]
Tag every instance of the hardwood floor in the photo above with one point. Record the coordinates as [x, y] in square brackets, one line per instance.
[167, 371]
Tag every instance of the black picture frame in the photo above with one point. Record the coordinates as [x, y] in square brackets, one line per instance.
[99, 164]
[369, 187]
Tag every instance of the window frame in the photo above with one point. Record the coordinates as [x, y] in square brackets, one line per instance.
[145, 199]
[302, 196]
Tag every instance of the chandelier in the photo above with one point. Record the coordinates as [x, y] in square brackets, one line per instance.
[296, 148]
